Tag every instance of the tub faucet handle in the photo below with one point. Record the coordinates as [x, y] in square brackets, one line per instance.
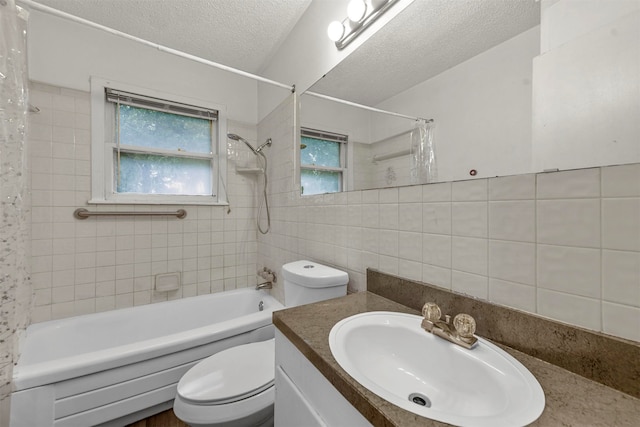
[268, 274]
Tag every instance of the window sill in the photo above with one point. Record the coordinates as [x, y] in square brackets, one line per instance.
[158, 202]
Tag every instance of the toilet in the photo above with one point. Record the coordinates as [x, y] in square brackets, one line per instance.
[235, 387]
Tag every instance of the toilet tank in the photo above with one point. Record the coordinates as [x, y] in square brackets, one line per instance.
[306, 282]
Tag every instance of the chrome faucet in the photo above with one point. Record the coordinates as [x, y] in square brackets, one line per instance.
[265, 285]
[460, 331]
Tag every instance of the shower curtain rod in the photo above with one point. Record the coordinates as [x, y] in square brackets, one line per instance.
[366, 107]
[42, 8]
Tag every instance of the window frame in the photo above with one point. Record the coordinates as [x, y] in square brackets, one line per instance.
[343, 140]
[103, 166]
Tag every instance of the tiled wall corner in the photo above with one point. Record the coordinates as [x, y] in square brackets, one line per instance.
[564, 245]
[99, 264]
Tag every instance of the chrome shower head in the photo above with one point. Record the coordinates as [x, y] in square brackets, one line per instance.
[267, 143]
[235, 137]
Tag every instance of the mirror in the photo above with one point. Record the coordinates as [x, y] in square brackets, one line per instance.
[504, 98]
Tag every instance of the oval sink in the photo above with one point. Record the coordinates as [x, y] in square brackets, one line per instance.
[392, 356]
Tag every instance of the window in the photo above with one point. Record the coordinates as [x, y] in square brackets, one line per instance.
[322, 161]
[153, 148]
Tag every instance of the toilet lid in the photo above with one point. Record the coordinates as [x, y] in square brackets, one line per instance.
[230, 375]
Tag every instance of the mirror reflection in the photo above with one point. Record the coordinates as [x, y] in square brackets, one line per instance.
[509, 92]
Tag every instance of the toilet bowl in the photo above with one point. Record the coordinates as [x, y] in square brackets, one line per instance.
[235, 387]
[232, 388]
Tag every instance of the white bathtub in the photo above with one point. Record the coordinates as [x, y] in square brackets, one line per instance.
[119, 366]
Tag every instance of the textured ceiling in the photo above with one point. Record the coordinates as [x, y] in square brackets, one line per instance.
[427, 38]
[239, 33]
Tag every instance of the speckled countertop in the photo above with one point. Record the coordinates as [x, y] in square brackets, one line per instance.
[571, 400]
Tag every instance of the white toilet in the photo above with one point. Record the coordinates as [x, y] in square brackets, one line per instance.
[235, 387]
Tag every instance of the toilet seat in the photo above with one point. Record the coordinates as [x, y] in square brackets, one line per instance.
[231, 375]
[252, 411]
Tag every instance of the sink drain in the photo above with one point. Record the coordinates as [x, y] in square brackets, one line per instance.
[420, 399]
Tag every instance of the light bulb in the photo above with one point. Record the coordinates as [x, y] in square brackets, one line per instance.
[335, 31]
[356, 10]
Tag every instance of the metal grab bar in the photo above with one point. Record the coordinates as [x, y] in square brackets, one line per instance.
[82, 213]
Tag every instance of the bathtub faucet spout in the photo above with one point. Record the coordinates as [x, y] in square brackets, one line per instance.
[265, 285]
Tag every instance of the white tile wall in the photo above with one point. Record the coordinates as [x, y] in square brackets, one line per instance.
[621, 223]
[512, 261]
[512, 294]
[572, 222]
[512, 220]
[569, 308]
[470, 284]
[621, 181]
[469, 254]
[469, 219]
[569, 269]
[621, 273]
[436, 250]
[107, 263]
[581, 183]
[621, 320]
[565, 245]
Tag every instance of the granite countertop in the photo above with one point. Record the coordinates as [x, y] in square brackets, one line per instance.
[571, 400]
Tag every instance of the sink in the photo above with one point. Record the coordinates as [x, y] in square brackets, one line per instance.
[392, 356]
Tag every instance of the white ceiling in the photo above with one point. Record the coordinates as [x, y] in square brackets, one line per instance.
[242, 34]
[427, 38]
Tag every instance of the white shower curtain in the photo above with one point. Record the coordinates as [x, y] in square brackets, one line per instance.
[423, 156]
[15, 291]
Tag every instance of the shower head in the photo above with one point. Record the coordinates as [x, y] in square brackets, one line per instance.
[239, 138]
[267, 143]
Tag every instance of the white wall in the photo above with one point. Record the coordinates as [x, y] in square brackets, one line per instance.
[482, 110]
[586, 99]
[307, 54]
[317, 113]
[66, 54]
[563, 21]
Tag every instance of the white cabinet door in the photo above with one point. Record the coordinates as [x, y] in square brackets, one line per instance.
[323, 403]
[292, 409]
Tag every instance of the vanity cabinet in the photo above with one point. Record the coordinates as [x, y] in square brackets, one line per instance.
[304, 397]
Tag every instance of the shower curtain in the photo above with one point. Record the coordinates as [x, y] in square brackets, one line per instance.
[423, 156]
[15, 291]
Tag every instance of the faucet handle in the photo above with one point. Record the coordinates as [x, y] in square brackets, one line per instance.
[431, 312]
[465, 325]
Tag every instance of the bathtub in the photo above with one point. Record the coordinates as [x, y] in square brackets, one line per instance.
[117, 367]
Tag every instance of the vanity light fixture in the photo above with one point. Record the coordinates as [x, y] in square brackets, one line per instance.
[360, 14]
[356, 10]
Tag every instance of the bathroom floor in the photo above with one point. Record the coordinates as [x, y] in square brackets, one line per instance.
[163, 419]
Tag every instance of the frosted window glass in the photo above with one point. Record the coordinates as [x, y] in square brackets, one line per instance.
[319, 152]
[152, 174]
[157, 129]
[319, 182]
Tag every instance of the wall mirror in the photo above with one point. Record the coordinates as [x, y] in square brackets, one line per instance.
[484, 71]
